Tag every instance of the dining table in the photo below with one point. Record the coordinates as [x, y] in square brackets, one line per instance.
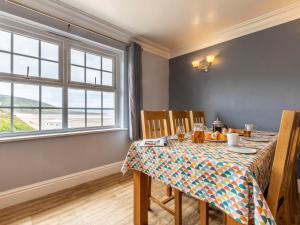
[233, 182]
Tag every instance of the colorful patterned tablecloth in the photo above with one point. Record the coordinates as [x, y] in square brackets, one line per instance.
[232, 182]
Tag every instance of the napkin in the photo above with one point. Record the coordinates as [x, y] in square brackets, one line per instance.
[157, 142]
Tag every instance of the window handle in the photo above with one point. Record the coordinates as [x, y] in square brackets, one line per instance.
[27, 73]
[95, 81]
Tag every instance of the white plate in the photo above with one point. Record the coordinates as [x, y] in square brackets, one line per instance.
[216, 140]
[266, 133]
[242, 150]
[256, 139]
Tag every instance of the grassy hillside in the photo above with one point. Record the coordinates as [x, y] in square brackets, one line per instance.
[19, 125]
[20, 102]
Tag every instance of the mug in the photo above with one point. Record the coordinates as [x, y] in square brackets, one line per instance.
[233, 139]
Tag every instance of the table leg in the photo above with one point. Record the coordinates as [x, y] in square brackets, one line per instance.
[203, 207]
[140, 198]
[230, 221]
[178, 207]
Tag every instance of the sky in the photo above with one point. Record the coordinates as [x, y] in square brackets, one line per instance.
[53, 95]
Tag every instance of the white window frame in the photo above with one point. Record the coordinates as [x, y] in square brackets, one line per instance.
[65, 44]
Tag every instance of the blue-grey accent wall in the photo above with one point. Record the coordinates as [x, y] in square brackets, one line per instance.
[253, 79]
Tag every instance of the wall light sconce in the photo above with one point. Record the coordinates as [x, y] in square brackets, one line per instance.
[209, 60]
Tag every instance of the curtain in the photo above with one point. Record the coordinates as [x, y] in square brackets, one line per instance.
[134, 73]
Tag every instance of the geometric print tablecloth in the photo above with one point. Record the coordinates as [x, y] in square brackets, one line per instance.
[232, 182]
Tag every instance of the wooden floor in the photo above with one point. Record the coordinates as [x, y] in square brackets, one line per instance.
[105, 201]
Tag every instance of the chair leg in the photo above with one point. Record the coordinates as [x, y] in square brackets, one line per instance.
[149, 192]
[169, 191]
[178, 207]
[203, 209]
[224, 218]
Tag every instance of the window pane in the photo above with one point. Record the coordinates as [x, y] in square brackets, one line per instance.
[76, 98]
[77, 57]
[26, 120]
[106, 64]
[91, 75]
[26, 46]
[77, 74]
[51, 96]
[4, 120]
[51, 119]
[26, 95]
[4, 62]
[93, 61]
[93, 118]
[5, 41]
[76, 118]
[93, 99]
[107, 79]
[21, 63]
[49, 69]
[108, 117]
[108, 100]
[49, 51]
[5, 94]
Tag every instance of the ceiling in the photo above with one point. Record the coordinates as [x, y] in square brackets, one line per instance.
[175, 24]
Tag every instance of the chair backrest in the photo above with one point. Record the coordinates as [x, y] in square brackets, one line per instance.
[155, 124]
[179, 118]
[287, 146]
[196, 117]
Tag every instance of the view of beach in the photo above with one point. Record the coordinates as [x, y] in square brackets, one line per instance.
[27, 119]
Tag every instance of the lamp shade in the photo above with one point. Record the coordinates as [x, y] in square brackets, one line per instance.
[196, 63]
[210, 58]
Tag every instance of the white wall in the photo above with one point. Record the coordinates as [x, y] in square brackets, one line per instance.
[27, 162]
[155, 70]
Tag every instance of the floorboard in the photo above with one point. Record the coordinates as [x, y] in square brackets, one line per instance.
[107, 201]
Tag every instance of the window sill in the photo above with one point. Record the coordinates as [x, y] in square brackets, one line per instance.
[60, 134]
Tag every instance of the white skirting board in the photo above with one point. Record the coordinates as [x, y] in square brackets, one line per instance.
[32, 191]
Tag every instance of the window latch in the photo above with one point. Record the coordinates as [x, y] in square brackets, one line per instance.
[27, 73]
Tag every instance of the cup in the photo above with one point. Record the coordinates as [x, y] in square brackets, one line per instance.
[233, 139]
[180, 133]
[198, 133]
[250, 127]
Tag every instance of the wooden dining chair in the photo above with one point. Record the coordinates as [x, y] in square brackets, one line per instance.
[293, 196]
[196, 117]
[182, 118]
[155, 124]
[279, 196]
[179, 118]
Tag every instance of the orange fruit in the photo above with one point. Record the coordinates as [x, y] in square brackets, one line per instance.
[208, 136]
[222, 137]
